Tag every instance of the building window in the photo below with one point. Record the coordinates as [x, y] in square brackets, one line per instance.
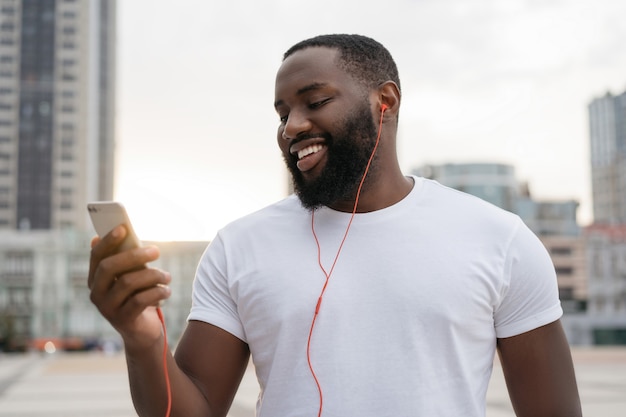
[564, 270]
[19, 262]
[560, 250]
[7, 10]
[67, 225]
[68, 127]
[566, 293]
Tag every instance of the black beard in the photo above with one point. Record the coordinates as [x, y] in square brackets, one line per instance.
[348, 154]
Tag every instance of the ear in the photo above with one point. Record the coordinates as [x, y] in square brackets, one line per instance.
[389, 96]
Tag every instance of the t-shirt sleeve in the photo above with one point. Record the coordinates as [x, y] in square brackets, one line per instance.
[211, 298]
[530, 299]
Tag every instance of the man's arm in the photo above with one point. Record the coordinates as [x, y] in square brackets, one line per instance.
[215, 360]
[539, 373]
[204, 376]
[212, 361]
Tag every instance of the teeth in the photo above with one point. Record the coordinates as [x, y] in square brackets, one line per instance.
[309, 150]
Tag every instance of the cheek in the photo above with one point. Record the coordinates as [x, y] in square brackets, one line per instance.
[282, 143]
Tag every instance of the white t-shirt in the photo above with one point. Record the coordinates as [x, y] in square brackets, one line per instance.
[410, 317]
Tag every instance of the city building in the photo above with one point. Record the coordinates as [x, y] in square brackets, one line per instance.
[606, 236]
[607, 139]
[493, 182]
[44, 294]
[57, 104]
[57, 79]
[606, 246]
[555, 223]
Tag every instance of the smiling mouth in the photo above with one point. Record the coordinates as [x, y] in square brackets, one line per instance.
[309, 156]
[309, 150]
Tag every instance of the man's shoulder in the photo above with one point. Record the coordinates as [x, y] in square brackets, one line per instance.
[452, 204]
[280, 211]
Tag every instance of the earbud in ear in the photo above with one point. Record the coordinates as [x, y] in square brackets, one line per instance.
[383, 108]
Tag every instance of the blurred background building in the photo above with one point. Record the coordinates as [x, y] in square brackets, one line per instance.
[607, 138]
[57, 105]
[606, 237]
[57, 102]
[44, 295]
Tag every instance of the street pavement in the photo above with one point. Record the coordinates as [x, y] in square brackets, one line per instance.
[96, 385]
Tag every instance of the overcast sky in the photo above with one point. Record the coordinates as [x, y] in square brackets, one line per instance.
[489, 81]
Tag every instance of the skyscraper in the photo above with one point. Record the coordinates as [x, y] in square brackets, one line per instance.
[607, 133]
[57, 77]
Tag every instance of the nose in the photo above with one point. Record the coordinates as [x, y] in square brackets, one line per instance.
[297, 123]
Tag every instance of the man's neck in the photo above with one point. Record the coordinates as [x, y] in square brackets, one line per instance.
[383, 194]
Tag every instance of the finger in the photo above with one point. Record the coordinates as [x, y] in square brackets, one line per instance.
[140, 280]
[103, 247]
[94, 241]
[132, 293]
[114, 266]
[138, 302]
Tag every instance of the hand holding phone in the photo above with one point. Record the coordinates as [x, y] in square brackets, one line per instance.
[106, 215]
[149, 289]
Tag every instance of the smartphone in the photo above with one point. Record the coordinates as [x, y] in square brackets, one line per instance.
[106, 215]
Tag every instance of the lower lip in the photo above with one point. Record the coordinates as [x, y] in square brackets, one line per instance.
[310, 161]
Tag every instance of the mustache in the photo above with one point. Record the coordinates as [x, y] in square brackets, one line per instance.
[304, 136]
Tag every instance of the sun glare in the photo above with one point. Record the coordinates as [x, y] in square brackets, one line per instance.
[177, 209]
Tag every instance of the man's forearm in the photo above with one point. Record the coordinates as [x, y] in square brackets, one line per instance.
[149, 389]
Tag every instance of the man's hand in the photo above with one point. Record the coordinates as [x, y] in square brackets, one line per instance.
[125, 291]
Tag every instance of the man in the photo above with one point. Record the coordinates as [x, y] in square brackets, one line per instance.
[369, 294]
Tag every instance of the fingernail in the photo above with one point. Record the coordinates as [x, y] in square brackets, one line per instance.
[117, 231]
[165, 288]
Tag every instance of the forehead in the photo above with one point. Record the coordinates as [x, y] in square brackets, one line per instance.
[313, 65]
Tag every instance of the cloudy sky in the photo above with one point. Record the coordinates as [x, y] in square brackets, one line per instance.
[489, 81]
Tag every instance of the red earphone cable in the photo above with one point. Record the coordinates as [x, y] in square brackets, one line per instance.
[319, 259]
[166, 373]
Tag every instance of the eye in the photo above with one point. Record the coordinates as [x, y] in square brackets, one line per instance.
[283, 119]
[318, 104]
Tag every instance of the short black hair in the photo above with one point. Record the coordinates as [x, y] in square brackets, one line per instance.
[368, 61]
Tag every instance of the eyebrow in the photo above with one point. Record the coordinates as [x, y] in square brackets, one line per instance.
[305, 89]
